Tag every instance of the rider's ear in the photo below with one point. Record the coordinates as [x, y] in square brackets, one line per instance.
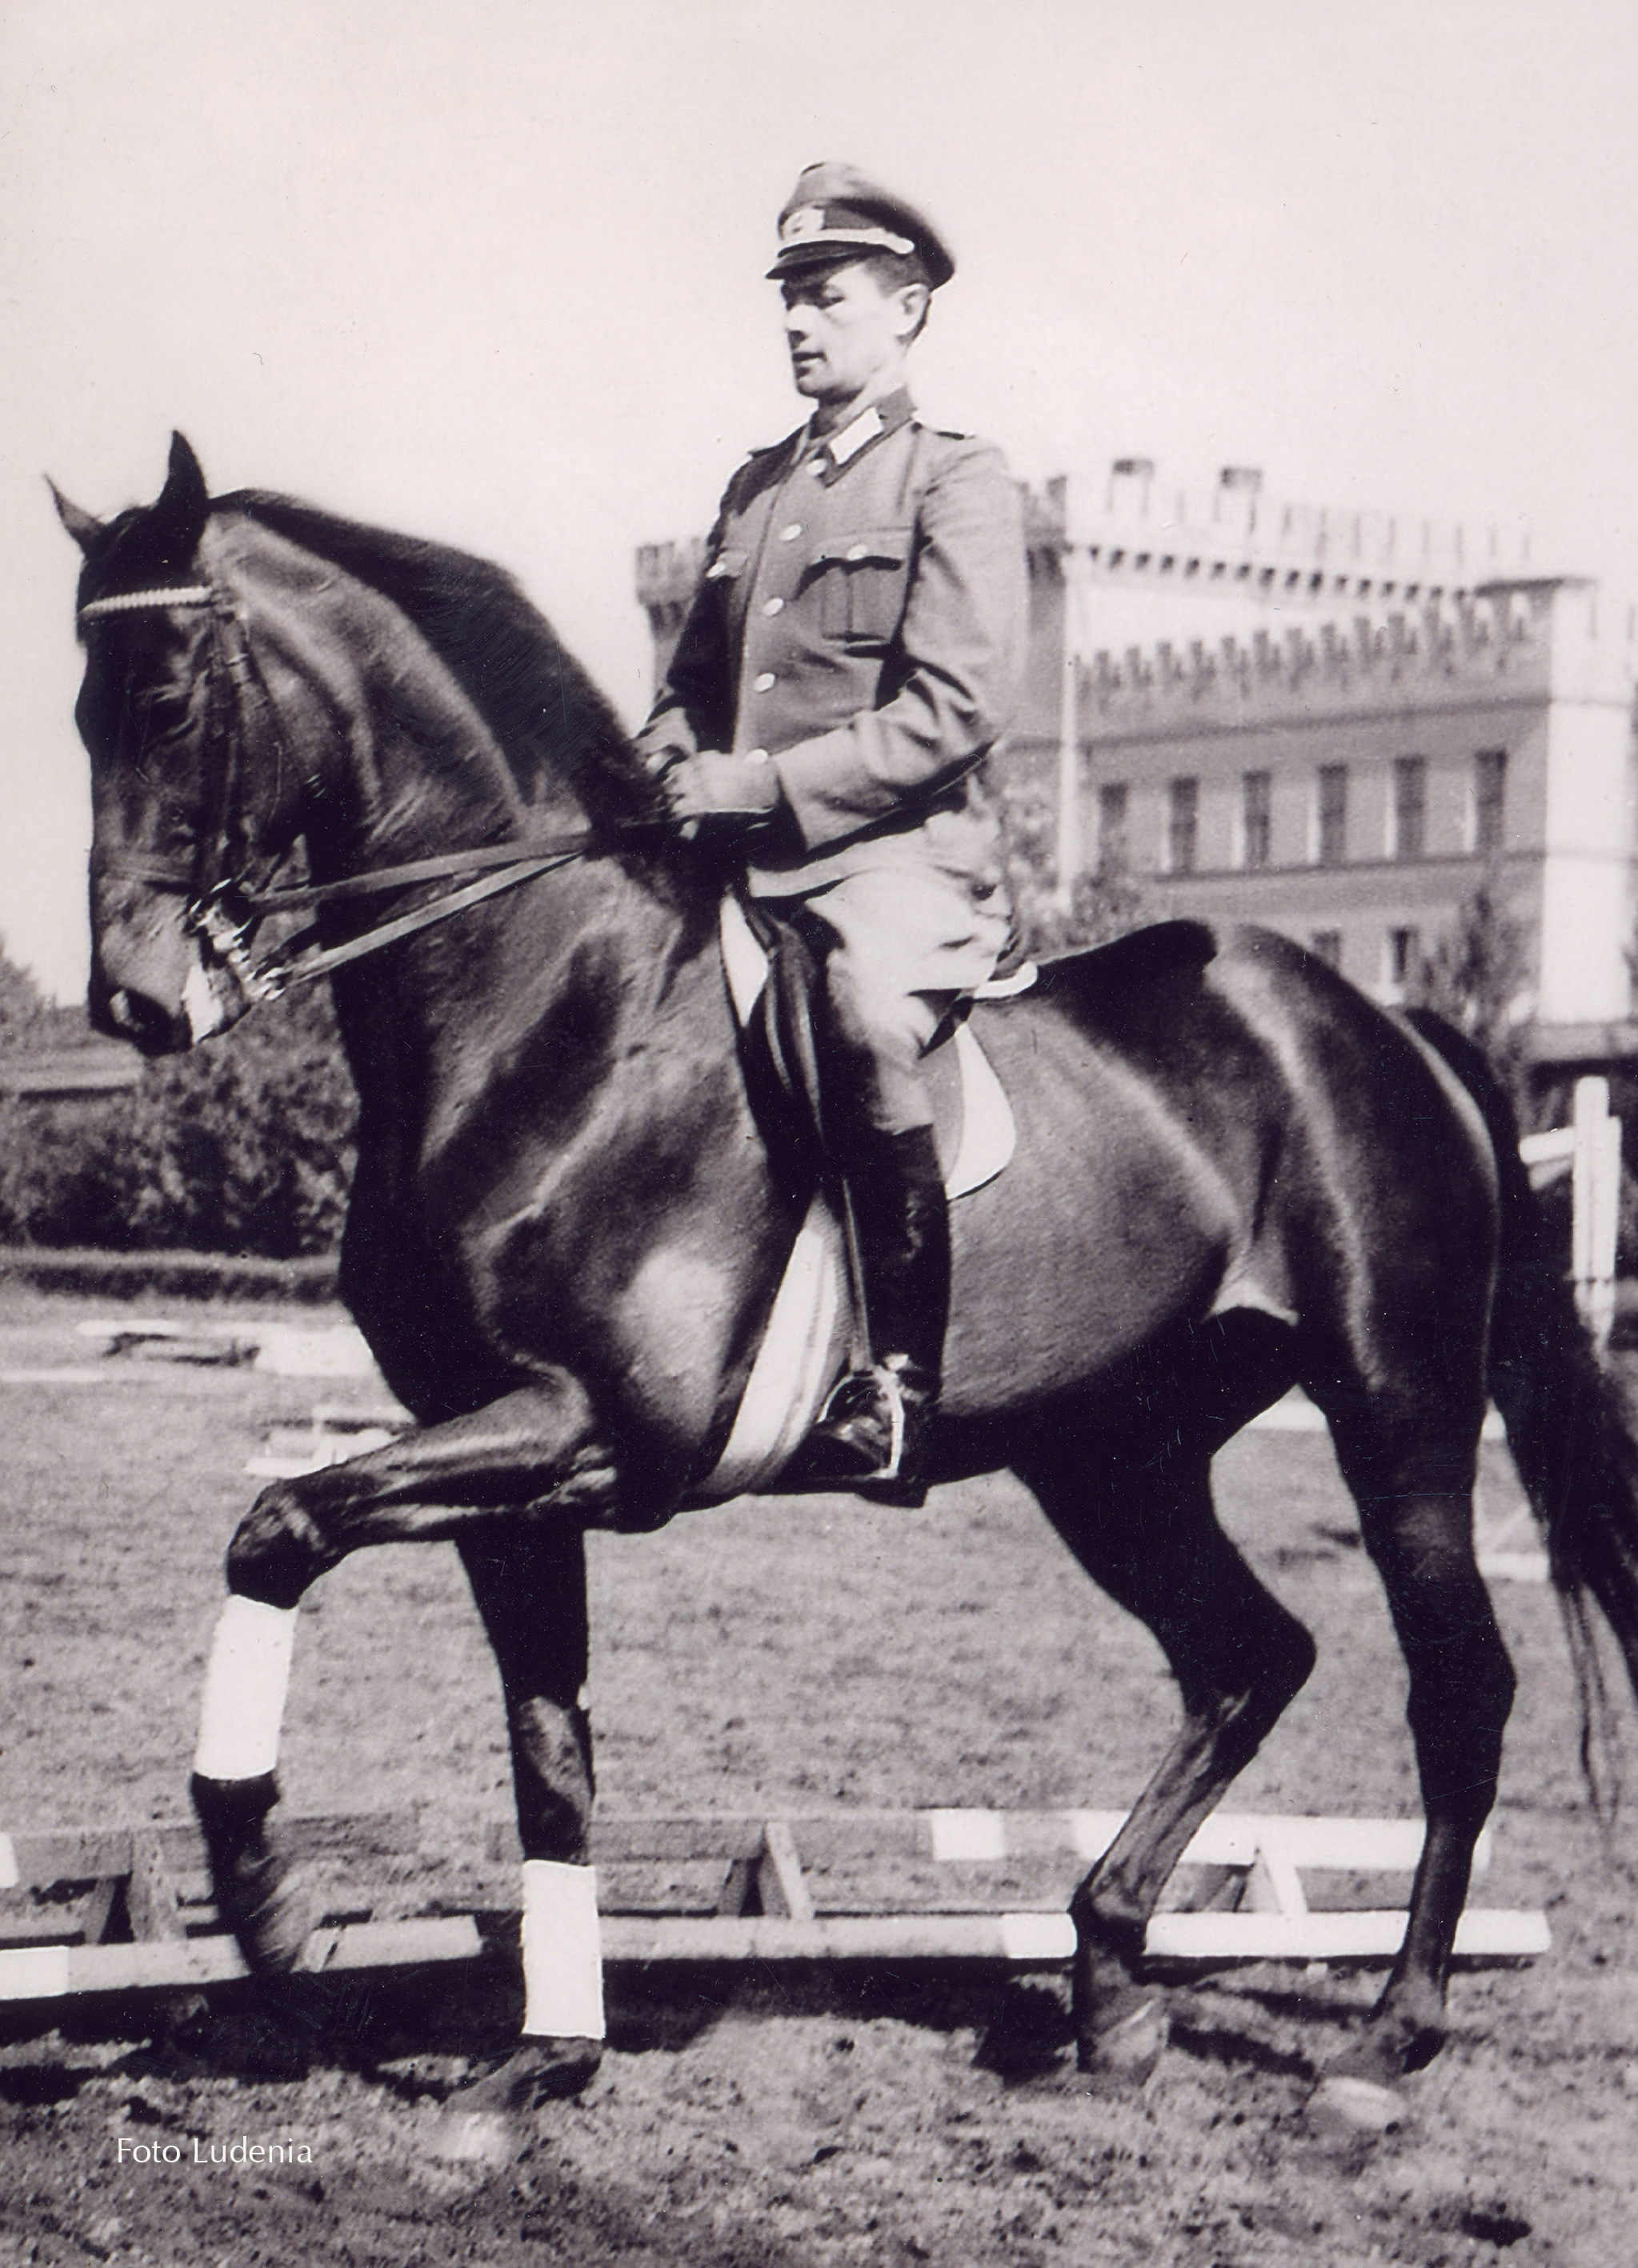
[173, 524]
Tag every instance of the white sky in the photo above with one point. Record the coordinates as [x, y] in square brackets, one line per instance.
[491, 270]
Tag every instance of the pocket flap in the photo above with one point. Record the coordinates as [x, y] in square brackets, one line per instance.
[874, 546]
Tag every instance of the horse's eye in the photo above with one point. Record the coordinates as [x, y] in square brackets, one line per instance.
[164, 710]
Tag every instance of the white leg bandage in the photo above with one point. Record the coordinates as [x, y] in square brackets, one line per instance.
[246, 1681]
[563, 1959]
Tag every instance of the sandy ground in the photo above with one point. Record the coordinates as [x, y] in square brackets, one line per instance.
[771, 1658]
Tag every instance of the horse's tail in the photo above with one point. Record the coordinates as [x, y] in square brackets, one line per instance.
[1568, 1425]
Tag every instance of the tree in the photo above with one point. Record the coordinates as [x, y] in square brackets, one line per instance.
[22, 1006]
[1477, 977]
[1104, 903]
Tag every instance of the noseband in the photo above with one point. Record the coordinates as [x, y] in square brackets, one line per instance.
[223, 908]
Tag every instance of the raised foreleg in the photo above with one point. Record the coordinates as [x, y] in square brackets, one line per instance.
[535, 1454]
[539, 1448]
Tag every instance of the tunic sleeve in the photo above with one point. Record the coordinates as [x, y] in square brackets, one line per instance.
[693, 708]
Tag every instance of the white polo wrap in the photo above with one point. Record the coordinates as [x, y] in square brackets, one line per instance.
[563, 1956]
[242, 1710]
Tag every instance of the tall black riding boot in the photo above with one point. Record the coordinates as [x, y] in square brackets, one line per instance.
[874, 1432]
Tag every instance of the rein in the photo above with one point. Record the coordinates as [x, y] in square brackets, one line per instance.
[225, 911]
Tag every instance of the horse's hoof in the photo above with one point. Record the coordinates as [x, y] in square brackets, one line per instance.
[1122, 2050]
[488, 2120]
[537, 2071]
[271, 1921]
[1345, 2109]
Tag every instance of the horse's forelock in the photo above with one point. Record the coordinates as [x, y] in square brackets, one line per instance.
[544, 711]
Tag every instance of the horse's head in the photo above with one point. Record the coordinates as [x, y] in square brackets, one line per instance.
[177, 815]
[259, 671]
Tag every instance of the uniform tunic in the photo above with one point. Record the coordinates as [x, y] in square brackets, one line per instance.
[860, 624]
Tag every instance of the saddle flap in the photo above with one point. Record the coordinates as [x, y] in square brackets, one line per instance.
[973, 1121]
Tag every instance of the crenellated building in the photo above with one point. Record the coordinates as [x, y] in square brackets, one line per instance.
[1338, 723]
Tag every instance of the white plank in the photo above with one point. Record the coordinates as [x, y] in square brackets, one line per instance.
[1483, 1932]
[51, 1971]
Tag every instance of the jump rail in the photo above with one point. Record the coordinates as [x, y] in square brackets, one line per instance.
[127, 1910]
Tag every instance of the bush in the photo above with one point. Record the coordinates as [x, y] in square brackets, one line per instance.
[245, 1146]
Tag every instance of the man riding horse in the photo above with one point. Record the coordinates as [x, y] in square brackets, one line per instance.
[851, 658]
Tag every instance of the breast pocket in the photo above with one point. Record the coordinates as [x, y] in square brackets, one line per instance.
[863, 578]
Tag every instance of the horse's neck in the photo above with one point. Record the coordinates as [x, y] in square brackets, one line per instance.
[564, 1016]
[600, 962]
[416, 773]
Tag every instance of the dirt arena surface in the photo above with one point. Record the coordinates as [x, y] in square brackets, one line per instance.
[768, 1657]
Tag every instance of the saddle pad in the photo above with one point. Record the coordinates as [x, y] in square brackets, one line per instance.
[800, 1357]
[802, 1347]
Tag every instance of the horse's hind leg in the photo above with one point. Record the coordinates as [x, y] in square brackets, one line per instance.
[1139, 1519]
[531, 1593]
[1411, 1472]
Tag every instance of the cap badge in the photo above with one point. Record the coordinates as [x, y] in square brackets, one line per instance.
[807, 220]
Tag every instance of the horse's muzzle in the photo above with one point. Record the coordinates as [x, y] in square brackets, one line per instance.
[130, 1012]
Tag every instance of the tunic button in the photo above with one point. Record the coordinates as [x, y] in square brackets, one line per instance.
[773, 606]
[765, 683]
[789, 534]
[858, 551]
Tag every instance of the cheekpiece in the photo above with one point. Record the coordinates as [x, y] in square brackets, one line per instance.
[835, 211]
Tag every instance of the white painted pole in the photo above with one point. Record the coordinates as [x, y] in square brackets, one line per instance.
[1071, 842]
[1596, 1194]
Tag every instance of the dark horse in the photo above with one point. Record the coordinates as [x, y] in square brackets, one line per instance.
[1233, 1174]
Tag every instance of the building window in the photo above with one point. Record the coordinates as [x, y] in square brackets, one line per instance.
[1404, 955]
[1332, 833]
[1256, 819]
[1111, 823]
[1410, 807]
[1489, 800]
[1183, 826]
[1326, 945]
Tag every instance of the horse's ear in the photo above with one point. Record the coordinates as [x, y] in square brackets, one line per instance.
[173, 524]
[80, 525]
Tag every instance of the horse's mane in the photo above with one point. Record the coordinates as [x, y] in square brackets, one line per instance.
[544, 711]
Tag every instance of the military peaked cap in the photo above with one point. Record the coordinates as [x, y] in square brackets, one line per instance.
[835, 211]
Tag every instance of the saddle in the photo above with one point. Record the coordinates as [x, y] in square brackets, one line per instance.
[771, 975]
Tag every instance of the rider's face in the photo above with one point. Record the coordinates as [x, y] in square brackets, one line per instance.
[847, 334]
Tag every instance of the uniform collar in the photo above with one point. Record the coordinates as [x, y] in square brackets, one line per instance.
[840, 450]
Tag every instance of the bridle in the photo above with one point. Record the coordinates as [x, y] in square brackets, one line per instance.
[223, 908]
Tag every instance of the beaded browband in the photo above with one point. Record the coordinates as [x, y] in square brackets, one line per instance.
[136, 602]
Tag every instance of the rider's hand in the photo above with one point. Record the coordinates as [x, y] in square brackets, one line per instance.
[713, 788]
